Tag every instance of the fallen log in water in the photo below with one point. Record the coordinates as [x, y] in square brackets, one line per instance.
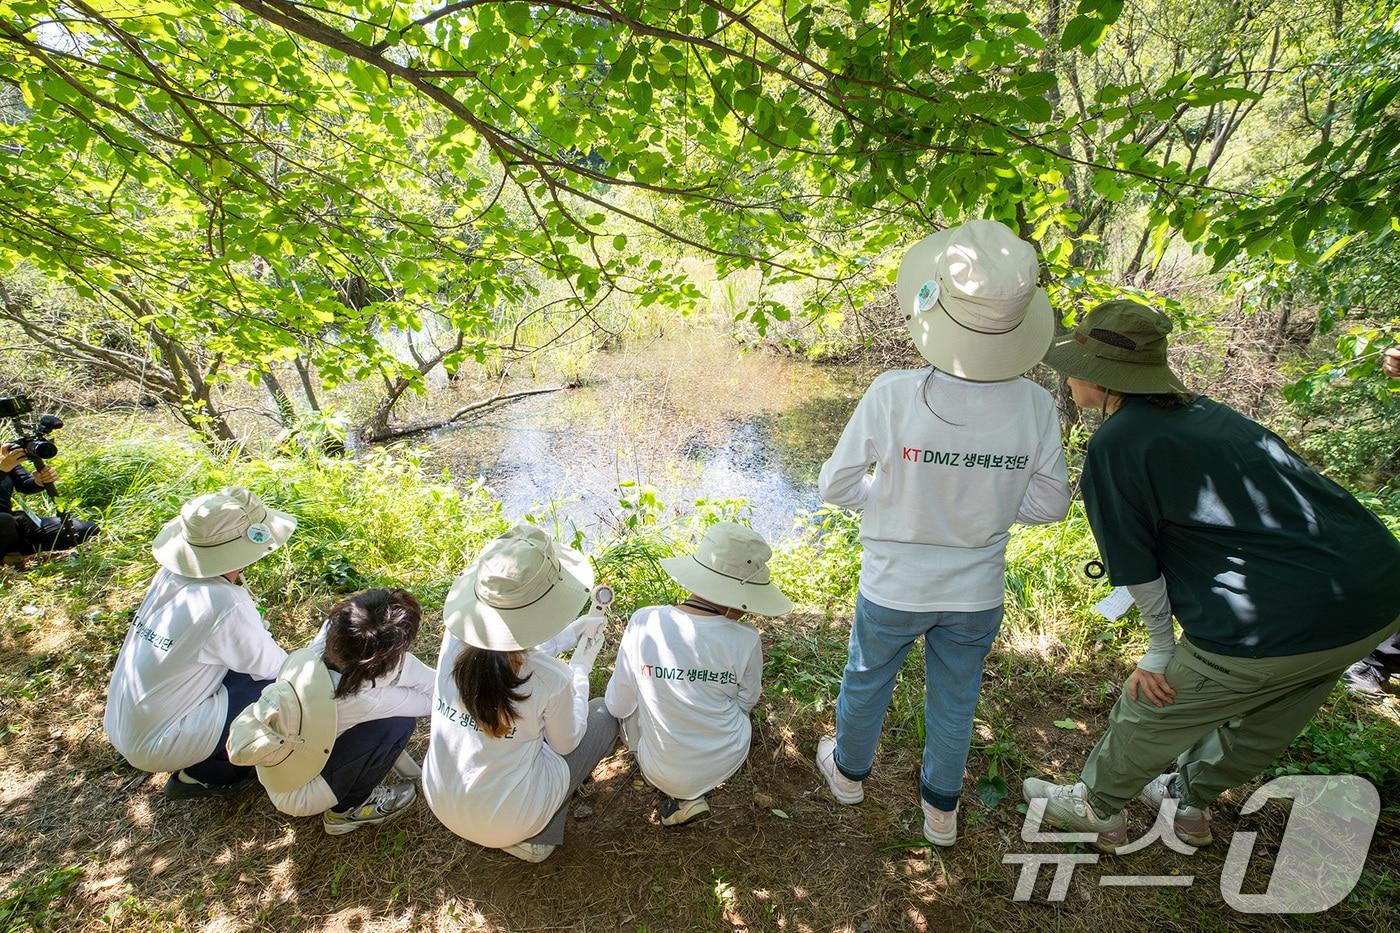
[391, 432]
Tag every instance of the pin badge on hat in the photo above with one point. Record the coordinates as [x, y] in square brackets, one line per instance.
[927, 297]
[259, 533]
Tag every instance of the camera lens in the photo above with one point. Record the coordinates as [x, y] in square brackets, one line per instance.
[42, 449]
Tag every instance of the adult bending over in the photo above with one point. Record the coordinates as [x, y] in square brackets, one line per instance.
[961, 451]
[1279, 578]
[333, 725]
[198, 651]
[687, 675]
[513, 733]
[1371, 674]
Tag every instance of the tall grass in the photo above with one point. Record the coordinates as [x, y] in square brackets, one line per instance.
[375, 519]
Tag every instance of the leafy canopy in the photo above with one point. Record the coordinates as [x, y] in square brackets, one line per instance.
[226, 172]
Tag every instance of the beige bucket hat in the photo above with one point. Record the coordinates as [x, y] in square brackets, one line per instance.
[730, 568]
[289, 732]
[971, 302]
[520, 593]
[219, 532]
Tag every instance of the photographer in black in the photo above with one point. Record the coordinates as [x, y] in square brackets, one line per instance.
[22, 532]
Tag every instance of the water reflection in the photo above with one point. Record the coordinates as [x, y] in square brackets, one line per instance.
[692, 417]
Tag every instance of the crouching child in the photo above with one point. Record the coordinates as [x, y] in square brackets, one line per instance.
[688, 675]
[328, 735]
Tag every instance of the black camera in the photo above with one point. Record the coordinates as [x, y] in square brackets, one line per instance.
[33, 438]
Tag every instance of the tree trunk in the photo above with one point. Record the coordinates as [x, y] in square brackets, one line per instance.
[377, 426]
[286, 411]
[309, 390]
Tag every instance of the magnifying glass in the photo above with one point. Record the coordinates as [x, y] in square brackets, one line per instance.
[603, 597]
[1095, 569]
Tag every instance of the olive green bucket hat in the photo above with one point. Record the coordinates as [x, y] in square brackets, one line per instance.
[1120, 345]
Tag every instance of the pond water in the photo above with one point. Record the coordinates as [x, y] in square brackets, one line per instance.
[689, 415]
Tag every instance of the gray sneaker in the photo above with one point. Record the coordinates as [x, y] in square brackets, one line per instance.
[1363, 677]
[677, 812]
[1192, 823]
[1067, 807]
[385, 802]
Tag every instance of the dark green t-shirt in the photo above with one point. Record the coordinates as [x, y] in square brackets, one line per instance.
[1262, 555]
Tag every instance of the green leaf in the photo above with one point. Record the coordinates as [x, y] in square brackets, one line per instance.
[1080, 31]
[1067, 724]
[1194, 225]
[992, 790]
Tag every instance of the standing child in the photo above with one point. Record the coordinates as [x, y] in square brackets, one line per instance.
[688, 675]
[328, 731]
[513, 733]
[960, 451]
[197, 651]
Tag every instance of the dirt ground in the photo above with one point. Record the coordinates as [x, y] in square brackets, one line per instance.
[778, 853]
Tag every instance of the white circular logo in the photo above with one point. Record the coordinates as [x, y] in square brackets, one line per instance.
[928, 296]
[259, 534]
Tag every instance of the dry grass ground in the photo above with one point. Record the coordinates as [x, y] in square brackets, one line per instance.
[777, 854]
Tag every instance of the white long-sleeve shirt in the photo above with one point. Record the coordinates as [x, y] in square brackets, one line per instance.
[683, 687]
[499, 790]
[166, 705]
[946, 487]
[405, 691]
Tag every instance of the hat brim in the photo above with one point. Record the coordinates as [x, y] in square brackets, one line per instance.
[174, 552]
[467, 617]
[765, 599]
[969, 354]
[306, 672]
[1071, 358]
[956, 349]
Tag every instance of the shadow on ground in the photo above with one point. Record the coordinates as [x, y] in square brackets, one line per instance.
[777, 854]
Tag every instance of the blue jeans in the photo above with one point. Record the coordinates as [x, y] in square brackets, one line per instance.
[955, 644]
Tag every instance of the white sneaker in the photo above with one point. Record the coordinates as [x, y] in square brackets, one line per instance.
[678, 812]
[842, 788]
[940, 826]
[1067, 807]
[530, 851]
[385, 802]
[1192, 824]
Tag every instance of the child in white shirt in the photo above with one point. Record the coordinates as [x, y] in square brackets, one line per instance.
[959, 452]
[379, 689]
[687, 676]
[198, 651]
[513, 732]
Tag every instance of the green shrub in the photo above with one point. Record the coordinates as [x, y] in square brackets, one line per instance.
[821, 567]
[373, 519]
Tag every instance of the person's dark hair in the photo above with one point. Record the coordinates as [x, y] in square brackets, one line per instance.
[368, 635]
[1162, 399]
[489, 683]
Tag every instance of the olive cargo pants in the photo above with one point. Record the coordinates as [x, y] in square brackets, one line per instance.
[1232, 718]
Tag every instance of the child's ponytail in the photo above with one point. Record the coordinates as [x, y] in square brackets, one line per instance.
[368, 635]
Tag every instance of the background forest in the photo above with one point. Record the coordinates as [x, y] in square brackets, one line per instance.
[370, 258]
